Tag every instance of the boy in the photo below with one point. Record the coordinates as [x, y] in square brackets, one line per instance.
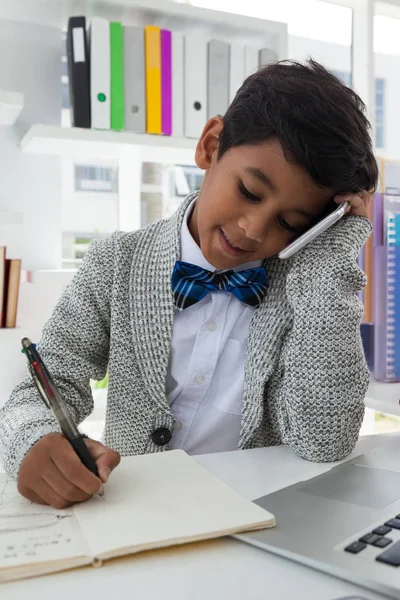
[267, 353]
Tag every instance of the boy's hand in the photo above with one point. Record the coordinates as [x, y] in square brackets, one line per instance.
[358, 203]
[52, 473]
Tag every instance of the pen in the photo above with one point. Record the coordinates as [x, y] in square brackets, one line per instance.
[53, 400]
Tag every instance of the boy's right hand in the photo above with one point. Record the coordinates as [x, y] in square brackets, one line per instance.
[52, 473]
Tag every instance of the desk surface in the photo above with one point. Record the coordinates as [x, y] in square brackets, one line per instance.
[215, 570]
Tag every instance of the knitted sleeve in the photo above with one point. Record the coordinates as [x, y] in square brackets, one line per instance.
[74, 346]
[325, 376]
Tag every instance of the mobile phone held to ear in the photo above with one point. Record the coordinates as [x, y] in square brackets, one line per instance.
[315, 231]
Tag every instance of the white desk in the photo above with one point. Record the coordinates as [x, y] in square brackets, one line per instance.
[213, 570]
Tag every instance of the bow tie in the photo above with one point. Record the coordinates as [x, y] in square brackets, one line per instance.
[191, 283]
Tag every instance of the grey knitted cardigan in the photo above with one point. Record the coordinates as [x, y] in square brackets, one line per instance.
[305, 372]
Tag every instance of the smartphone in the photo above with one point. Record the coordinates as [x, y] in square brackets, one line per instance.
[315, 231]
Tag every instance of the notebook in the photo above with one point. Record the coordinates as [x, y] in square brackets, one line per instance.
[150, 501]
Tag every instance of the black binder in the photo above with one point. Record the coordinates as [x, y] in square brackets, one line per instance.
[78, 72]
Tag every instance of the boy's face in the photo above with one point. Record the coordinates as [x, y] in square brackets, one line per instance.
[252, 203]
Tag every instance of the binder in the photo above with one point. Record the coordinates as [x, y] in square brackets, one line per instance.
[153, 79]
[117, 75]
[99, 53]
[218, 78]
[387, 293]
[134, 80]
[166, 82]
[250, 60]
[2, 284]
[177, 84]
[12, 278]
[267, 56]
[78, 72]
[236, 69]
[195, 72]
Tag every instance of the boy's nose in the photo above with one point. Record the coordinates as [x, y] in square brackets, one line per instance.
[254, 229]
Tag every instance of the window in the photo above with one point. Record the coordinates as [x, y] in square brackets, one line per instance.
[92, 178]
[379, 113]
[379, 105]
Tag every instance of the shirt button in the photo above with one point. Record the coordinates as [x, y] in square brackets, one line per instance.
[199, 379]
[211, 326]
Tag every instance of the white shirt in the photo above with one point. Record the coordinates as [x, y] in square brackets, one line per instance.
[206, 364]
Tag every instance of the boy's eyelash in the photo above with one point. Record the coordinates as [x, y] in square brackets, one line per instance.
[248, 194]
[283, 223]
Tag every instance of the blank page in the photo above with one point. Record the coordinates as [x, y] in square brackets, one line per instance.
[161, 499]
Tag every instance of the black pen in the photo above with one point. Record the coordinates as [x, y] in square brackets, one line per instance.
[53, 400]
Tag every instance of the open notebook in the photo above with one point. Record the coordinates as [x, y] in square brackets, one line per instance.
[150, 501]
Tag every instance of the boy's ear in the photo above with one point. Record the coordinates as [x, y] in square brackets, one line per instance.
[207, 145]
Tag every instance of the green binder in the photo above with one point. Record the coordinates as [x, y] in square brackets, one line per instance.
[117, 75]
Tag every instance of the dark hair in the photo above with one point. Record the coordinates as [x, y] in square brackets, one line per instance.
[318, 120]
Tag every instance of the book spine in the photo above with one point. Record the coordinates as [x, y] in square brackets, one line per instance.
[166, 82]
[153, 79]
[117, 76]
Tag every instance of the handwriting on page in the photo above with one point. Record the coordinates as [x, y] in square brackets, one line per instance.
[31, 532]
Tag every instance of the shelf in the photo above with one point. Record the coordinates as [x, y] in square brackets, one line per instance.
[96, 144]
[11, 104]
[178, 15]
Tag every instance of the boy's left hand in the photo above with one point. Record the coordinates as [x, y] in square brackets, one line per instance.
[358, 203]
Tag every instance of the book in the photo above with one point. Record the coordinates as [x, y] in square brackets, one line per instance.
[117, 75]
[99, 55]
[153, 79]
[150, 501]
[236, 69]
[134, 84]
[78, 72]
[12, 278]
[2, 283]
[195, 99]
[218, 78]
[166, 82]
[177, 83]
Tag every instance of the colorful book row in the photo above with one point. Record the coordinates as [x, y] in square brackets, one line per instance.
[153, 80]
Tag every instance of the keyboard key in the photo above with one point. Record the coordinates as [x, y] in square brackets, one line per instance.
[394, 523]
[369, 538]
[382, 530]
[355, 547]
[391, 556]
[382, 542]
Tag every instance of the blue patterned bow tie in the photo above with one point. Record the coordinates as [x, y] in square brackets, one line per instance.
[191, 283]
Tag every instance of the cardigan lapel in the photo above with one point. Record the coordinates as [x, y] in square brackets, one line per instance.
[151, 300]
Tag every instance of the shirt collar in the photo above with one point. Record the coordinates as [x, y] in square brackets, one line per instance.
[191, 252]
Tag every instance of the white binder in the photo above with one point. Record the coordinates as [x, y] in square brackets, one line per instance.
[267, 56]
[195, 72]
[236, 69]
[177, 84]
[218, 78]
[250, 60]
[100, 72]
[134, 79]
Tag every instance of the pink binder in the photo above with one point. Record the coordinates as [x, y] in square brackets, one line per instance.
[166, 82]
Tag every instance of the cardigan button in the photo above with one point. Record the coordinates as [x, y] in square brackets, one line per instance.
[161, 436]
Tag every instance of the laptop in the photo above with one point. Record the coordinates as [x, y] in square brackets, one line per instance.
[345, 522]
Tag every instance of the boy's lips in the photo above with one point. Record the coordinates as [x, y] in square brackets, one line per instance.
[230, 246]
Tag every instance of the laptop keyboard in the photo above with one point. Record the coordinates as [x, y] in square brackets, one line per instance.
[378, 538]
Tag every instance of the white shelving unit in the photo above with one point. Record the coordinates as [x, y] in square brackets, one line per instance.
[11, 104]
[114, 145]
[384, 397]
